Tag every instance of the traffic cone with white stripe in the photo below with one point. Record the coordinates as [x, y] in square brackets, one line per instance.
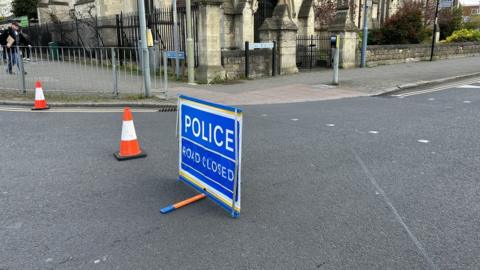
[40, 102]
[129, 146]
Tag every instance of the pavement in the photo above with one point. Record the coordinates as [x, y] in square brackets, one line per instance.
[307, 85]
[385, 182]
[316, 85]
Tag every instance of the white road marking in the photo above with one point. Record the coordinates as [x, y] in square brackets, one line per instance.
[96, 261]
[294, 119]
[469, 86]
[373, 132]
[330, 125]
[467, 101]
[264, 115]
[74, 110]
[378, 189]
[431, 99]
[423, 141]
[440, 88]
[16, 225]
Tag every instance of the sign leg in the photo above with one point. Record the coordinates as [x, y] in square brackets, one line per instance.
[181, 204]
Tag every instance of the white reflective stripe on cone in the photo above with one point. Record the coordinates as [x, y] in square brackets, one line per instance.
[39, 94]
[128, 131]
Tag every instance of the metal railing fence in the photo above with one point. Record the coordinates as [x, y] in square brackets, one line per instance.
[81, 70]
[121, 30]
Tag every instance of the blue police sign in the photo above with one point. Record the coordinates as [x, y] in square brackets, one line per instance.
[210, 150]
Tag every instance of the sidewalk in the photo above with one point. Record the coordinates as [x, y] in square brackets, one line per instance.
[301, 87]
[312, 86]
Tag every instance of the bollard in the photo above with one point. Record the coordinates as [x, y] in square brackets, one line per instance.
[336, 56]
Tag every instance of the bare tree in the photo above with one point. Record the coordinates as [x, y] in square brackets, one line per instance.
[325, 11]
[90, 22]
[429, 13]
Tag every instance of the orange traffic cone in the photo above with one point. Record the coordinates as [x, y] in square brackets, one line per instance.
[129, 147]
[40, 102]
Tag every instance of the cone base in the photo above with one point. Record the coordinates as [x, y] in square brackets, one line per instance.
[120, 158]
[39, 109]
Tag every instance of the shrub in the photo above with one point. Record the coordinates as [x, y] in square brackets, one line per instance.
[449, 20]
[472, 23]
[464, 35]
[375, 37]
[404, 27]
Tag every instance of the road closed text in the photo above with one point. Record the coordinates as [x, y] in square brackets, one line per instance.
[209, 164]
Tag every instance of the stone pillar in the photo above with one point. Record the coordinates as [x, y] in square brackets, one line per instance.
[243, 24]
[228, 25]
[343, 25]
[306, 18]
[210, 58]
[281, 28]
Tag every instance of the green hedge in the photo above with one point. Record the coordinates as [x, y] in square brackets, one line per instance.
[464, 35]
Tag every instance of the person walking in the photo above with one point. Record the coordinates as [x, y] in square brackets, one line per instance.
[26, 45]
[10, 39]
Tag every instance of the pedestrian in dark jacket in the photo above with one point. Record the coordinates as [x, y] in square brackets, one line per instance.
[10, 39]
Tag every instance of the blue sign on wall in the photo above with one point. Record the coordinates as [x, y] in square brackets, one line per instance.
[173, 55]
[210, 150]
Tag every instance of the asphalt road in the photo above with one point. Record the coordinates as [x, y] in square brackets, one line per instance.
[359, 183]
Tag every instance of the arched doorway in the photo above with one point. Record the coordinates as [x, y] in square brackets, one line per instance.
[265, 10]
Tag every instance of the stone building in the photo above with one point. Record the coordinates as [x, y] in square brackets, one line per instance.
[85, 8]
[5, 8]
[223, 27]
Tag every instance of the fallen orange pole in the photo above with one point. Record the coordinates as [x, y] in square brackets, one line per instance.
[181, 204]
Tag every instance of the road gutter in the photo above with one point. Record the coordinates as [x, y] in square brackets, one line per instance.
[411, 86]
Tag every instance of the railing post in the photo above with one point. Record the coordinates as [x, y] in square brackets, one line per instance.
[114, 70]
[247, 48]
[274, 58]
[165, 73]
[20, 64]
[311, 51]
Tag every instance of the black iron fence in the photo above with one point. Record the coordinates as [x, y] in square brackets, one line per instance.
[160, 21]
[313, 51]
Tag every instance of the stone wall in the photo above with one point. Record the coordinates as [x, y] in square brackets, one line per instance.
[393, 54]
[260, 63]
[54, 12]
